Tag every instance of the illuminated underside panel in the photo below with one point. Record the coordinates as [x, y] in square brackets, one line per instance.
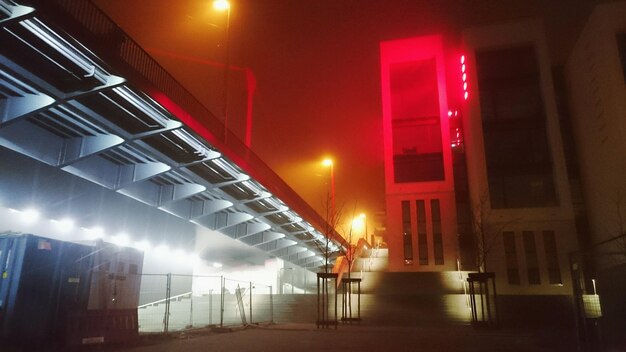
[63, 105]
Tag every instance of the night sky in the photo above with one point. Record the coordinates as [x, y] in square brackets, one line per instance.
[316, 64]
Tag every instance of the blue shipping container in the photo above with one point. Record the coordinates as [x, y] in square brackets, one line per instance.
[42, 282]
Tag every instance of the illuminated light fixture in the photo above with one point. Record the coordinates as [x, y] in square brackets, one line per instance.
[327, 162]
[29, 216]
[221, 5]
[217, 265]
[464, 78]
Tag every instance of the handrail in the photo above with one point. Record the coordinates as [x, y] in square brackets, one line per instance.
[164, 300]
[342, 265]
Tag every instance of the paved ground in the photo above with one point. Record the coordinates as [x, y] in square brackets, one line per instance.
[305, 337]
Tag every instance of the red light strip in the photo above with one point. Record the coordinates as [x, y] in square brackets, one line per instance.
[464, 77]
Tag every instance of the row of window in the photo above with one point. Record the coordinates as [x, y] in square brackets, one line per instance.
[529, 251]
[422, 234]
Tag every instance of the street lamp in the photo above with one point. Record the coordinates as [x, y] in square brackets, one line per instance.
[224, 5]
[360, 223]
[329, 163]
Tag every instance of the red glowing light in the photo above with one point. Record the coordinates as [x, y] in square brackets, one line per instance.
[464, 77]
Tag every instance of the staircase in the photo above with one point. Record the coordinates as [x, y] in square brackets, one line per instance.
[408, 298]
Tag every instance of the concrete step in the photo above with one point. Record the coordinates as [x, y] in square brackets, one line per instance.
[410, 283]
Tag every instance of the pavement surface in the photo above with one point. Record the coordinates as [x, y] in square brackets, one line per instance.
[307, 337]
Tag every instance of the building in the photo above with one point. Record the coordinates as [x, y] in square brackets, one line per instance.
[596, 82]
[474, 158]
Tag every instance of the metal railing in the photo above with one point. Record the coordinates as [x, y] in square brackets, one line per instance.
[170, 302]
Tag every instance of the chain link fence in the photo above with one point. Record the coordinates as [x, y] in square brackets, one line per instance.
[169, 302]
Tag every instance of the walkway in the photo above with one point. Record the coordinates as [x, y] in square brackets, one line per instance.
[306, 337]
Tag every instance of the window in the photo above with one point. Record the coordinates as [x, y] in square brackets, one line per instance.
[406, 232]
[120, 267]
[422, 236]
[437, 237]
[552, 258]
[510, 254]
[519, 162]
[532, 264]
[133, 269]
[416, 125]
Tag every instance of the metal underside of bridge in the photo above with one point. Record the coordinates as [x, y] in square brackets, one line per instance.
[67, 107]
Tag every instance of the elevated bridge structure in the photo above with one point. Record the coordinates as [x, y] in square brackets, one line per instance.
[78, 94]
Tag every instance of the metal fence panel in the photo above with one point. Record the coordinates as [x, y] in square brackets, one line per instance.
[171, 303]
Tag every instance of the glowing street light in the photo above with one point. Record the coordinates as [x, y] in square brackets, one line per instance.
[221, 5]
[359, 223]
[330, 164]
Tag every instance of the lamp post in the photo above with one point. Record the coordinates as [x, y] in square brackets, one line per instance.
[329, 163]
[224, 5]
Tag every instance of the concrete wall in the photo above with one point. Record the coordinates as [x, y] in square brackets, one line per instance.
[598, 108]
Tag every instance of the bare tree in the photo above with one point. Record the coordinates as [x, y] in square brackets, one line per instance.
[486, 232]
[617, 233]
[326, 245]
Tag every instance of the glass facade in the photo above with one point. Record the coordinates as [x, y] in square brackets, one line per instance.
[519, 161]
[416, 125]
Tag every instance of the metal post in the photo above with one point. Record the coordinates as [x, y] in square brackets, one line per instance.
[250, 302]
[271, 306]
[359, 300]
[226, 73]
[191, 309]
[223, 284]
[210, 306]
[335, 286]
[168, 293]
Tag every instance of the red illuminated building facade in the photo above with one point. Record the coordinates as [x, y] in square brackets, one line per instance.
[475, 171]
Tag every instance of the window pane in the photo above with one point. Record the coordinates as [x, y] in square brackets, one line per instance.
[422, 236]
[519, 162]
[416, 127]
[532, 264]
[552, 258]
[510, 253]
[437, 236]
[406, 232]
